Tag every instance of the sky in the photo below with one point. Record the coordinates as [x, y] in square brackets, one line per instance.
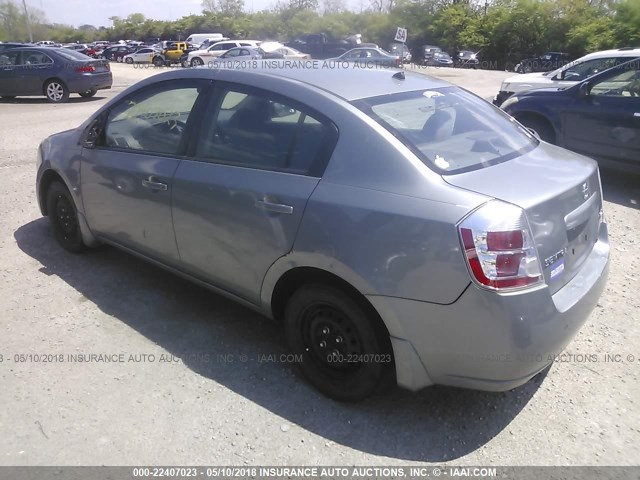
[97, 13]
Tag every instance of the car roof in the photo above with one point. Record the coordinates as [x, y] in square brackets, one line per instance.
[347, 83]
[620, 52]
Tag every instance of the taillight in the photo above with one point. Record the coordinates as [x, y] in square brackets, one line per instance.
[499, 247]
[86, 69]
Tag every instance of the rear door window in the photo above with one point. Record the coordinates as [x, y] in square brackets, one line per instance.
[257, 129]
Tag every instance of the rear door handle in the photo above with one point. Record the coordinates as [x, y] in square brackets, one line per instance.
[153, 185]
[274, 207]
[637, 114]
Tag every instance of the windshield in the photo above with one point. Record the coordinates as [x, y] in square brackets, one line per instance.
[449, 129]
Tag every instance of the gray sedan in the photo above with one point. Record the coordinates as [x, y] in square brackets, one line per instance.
[399, 228]
[52, 72]
[369, 57]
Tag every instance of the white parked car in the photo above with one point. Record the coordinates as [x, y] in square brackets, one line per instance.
[565, 76]
[277, 50]
[144, 55]
[202, 57]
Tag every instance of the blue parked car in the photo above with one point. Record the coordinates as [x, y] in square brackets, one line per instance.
[52, 72]
[598, 117]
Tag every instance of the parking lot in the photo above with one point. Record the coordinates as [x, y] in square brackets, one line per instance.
[107, 360]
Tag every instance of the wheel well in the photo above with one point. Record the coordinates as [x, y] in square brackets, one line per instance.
[47, 178]
[524, 116]
[297, 277]
[44, 84]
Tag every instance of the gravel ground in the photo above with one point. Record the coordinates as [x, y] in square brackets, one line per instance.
[197, 382]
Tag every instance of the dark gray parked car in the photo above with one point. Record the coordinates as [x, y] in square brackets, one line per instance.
[398, 226]
[52, 72]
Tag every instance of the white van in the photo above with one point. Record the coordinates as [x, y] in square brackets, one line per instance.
[198, 38]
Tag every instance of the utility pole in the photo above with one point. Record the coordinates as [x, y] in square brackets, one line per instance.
[26, 18]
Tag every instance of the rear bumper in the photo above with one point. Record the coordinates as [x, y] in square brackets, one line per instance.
[90, 81]
[490, 341]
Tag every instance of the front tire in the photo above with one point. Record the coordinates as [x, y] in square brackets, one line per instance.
[343, 354]
[63, 218]
[197, 62]
[129, 60]
[56, 91]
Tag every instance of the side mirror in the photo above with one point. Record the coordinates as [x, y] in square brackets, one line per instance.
[583, 90]
[92, 135]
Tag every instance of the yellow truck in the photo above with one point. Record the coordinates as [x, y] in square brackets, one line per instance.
[171, 54]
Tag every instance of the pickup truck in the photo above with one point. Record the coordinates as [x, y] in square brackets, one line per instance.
[171, 54]
[319, 46]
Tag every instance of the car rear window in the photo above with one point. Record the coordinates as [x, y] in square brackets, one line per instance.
[449, 129]
[72, 54]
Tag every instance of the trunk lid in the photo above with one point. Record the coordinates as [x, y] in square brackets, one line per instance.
[561, 196]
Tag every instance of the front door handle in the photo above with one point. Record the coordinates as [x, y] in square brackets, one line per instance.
[636, 114]
[153, 185]
[274, 207]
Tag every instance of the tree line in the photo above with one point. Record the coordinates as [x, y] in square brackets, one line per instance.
[503, 31]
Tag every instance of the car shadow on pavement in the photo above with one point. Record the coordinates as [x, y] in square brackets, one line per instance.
[621, 188]
[240, 349]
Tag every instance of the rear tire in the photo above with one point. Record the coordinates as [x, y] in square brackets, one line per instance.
[343, 354]
[63, 218]
[158, 61]
[56, 91]
[129, 60]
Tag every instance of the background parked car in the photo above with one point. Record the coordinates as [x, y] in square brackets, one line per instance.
[142, 55]
[370, 57]
[243, 53]
[401, 50]
[117, 53]
[466, 59]
[52, 72]
[81, 48]
[439, 59]
[599, 117]
[277, 50]
[568, 75]
[427, 53]
[202, 56]
[544, 63]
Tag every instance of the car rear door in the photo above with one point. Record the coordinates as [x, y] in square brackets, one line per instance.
[127, 179]
[37, 67]
[238, 202]
[606, 122]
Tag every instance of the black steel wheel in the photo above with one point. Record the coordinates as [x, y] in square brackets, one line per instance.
[343, 352]
[63, 218]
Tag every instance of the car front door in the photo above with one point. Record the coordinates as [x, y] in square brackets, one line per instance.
[238, 202]
[10, 73]
[605, 123]
[127, 179]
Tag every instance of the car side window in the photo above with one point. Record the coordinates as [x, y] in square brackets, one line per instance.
[258, 129]
[9, 58]
[152, 120]
[589, 68]
[623, 84]
[35, 58]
